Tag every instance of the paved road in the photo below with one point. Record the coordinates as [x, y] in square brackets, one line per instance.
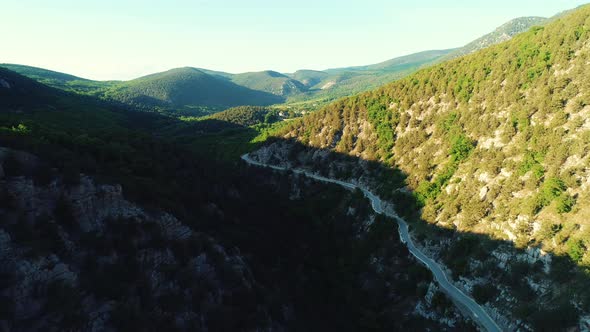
[466, 303]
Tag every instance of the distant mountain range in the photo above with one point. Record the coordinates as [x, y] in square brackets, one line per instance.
[196, 91]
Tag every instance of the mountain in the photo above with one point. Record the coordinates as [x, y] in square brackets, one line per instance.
[108, 223]
[401, 63]
[270, 81]
[60, 80]
[503, 33]
[43, 74]
[340, 82]
[18, 91]
[184, 87]
[309, 78]
[194, 91]
[492, 148]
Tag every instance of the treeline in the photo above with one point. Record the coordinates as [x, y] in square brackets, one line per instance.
[248, 115]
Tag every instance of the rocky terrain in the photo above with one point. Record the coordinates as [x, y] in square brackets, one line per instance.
[497, 275]
[77, 255]
[80, 256]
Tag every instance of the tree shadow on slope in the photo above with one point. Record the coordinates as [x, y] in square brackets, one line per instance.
[544, 290]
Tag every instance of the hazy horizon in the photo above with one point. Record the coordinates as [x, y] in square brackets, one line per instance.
[120, 40]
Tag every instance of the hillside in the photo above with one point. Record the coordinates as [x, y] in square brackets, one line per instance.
[247, 115]
[404, 62]
[16, 99]
[106, 222]
[309, 78]
[271, 82]
[42, 74]
[184, 87]
[493, 147]
[60, 80]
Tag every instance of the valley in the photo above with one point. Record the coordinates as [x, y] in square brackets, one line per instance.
[444, 190]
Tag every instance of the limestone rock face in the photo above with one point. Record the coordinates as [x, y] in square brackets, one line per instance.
[92, 204]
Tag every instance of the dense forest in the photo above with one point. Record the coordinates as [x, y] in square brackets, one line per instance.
[193, 242]
[492, 143]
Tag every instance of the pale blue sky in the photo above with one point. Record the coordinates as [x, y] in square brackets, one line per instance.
[123, 39]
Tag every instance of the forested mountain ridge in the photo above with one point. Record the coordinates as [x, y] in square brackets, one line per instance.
[185, 87]
[493, 143]
[270, 81]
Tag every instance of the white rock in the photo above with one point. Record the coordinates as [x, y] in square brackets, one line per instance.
[483, 193]
[484, 177]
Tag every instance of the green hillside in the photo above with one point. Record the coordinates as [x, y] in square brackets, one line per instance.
[60, 80]
[271, 82]
[309, 78]
[247, 115]
[184, 91]
[404, 62]
[494, 143]
[185, 87]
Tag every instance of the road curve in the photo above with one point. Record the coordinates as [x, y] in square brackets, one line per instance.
[477, 313]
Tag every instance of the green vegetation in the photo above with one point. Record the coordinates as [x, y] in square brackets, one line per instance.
[248, 115]
[271, 82]
[488, 97]
[576, 250]
[199, 92]
[162, 165]
[60, 80]
[493, 143]
[484, 293]
[185, 87]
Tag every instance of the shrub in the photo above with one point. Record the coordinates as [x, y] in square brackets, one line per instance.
[564, 203]
[576, 250]
[484, 293]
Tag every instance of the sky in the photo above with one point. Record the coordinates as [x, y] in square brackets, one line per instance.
[125, 39]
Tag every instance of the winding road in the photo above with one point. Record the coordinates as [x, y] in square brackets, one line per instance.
[462, 300]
